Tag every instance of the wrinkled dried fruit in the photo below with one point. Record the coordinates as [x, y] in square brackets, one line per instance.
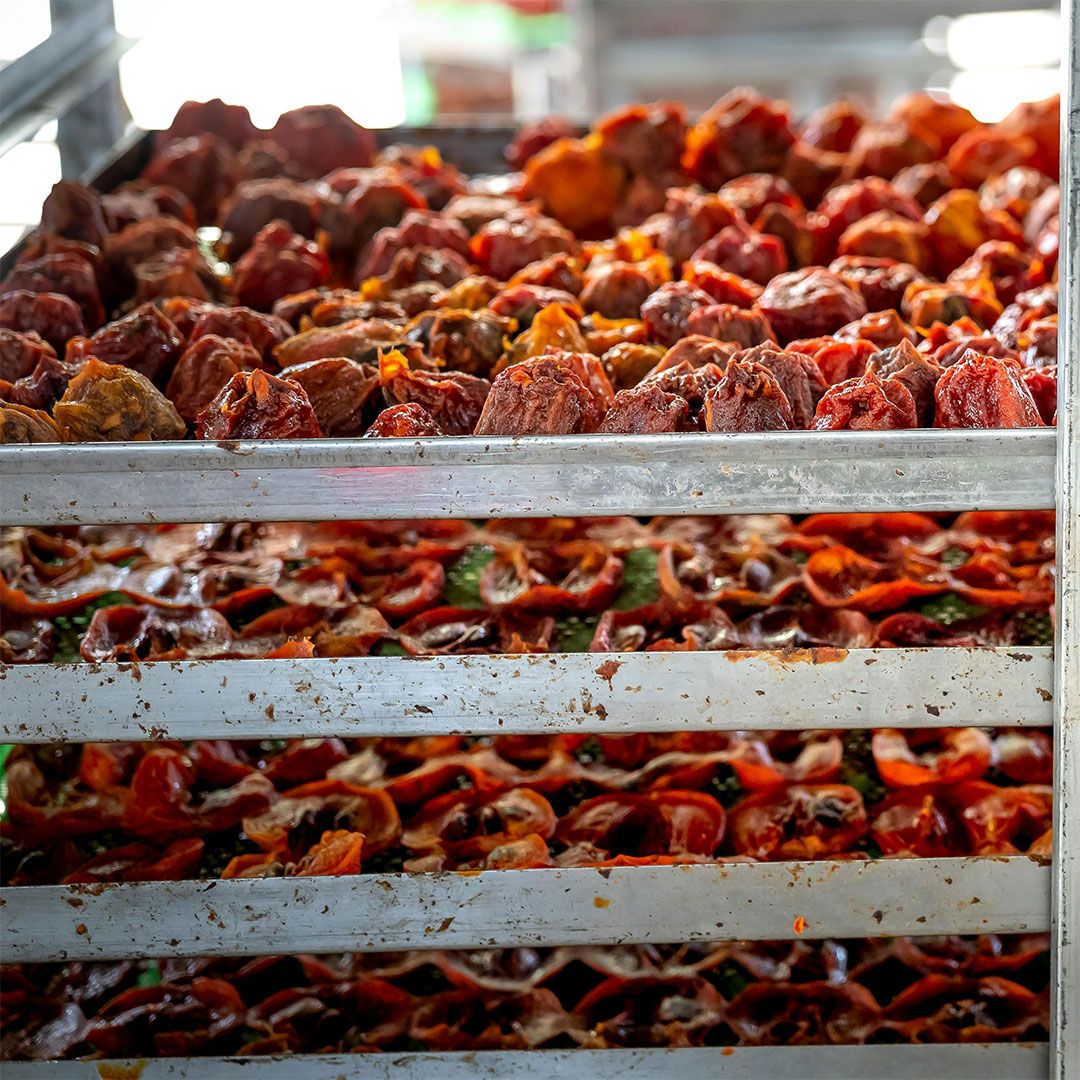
[257, 405]
[538, 397]
[747, 398]
[984, 392]
[18, 424]
[112, 403]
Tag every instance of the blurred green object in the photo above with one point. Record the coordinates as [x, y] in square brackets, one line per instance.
[486, 33]
[494, 22]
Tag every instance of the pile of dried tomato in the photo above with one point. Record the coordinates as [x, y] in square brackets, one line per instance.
[544, 585]
[330, 807]
[333, 806]
[742, 273]
[902, 990]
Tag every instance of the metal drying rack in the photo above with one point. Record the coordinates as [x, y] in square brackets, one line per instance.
[674, 474]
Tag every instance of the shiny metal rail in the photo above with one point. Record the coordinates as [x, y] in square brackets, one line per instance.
[1065, 1009]
[590, 475]
[504, 908]
[544, 694]
[949, 1062]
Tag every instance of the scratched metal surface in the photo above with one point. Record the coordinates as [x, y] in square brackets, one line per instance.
[586, 475]
[1065, 1010]
[537, 693]
[950, 1062]
[502, 908]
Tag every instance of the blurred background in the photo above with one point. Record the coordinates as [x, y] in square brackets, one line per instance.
[77, 76]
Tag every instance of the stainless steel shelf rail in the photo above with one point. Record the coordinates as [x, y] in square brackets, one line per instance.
[955, 1062]
[534, 476]
[539, 694]
[501, 908]
[793, 472]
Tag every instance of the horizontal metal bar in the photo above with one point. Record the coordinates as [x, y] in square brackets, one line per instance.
[343, 479]
[956, 1061]
[527, 694]
[502, 908]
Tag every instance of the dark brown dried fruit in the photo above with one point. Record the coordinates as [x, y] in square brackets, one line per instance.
[809, 303]
[617, 289]
[145, 341]
[690, 383]
[726, 322]
[67, 273]
[257, 405]
[54, 316]
[518, 238]
[45, 385]
[880, 282]
[20, 353]
[747, 398]
[646, 410]
[321, 138]
[358, 339]
[409, 421]
[74, 211]
[279, 262]
[203, 369]
[667, 311]
[799, 377]
[919, 373]
[537, 397]
[342, 392]
[453, 398]
[472, 342]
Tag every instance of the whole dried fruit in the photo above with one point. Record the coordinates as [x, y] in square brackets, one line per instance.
[112, 403]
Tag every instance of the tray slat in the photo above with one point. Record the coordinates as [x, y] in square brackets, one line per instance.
[503, 908]
[588, 475]
[533, 693]
[947, 1062]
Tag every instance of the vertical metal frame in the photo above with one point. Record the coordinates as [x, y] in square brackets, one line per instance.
[1065, 1012]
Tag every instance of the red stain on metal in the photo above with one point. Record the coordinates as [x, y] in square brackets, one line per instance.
[607, 669]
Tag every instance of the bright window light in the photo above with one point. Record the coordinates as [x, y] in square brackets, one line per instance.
[25, 24]
[1005, 39]
[991, 95]
[269, 55]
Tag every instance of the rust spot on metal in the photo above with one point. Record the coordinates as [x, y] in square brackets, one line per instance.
[117, 1070]
[601, 902]
[607, 669]
[91, 888]
[269, 712]
[81, 929]
[74, 901]
[784, 658]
